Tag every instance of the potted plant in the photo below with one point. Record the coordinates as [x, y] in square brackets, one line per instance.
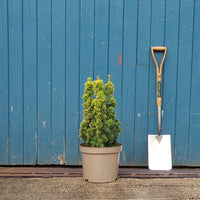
[99, 130]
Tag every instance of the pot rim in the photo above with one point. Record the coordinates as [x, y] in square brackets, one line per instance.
[100, 150]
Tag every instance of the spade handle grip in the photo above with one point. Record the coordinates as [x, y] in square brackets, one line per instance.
[159, 73]
[159, 48]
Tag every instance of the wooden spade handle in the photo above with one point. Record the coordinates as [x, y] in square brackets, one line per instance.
[159, 73]
[159, 48]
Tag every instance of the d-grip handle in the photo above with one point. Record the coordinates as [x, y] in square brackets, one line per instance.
[159, 73]
[159, 48]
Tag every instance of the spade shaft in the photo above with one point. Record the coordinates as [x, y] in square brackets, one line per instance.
[159, 120]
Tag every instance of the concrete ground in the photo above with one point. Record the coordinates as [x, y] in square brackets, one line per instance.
[76, 188]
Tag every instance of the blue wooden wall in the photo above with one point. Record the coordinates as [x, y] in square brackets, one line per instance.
[48, 48]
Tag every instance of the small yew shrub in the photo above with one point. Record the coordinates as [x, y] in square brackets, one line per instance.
[100, 127]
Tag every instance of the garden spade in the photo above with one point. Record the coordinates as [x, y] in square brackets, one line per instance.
[159, 146]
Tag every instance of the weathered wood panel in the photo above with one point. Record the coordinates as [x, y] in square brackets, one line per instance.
[50, 48]
[44, 72]
[30, 81]
[58, 82]
[128, 80]
[194, 137]
[184, 81]
[16, 66]
[72, 80]
[4, 84]
[142, 82]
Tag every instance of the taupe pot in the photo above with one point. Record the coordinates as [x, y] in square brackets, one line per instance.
[100, 165]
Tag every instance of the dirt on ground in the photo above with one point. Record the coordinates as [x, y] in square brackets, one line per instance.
[76, 188]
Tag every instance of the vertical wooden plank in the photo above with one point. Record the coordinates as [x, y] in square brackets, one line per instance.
[30, 97]
[44, 82]
[115, 49]
[58, 82]
[4, 134]
[142, 72]
[15, 81]
[87, 41]
[157, 39]
[101, 39]
[194, 147]
[183, 81]
[128, 90]
[170, 70]
[72, 80]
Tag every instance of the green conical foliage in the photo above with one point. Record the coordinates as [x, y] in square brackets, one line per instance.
[100, 127]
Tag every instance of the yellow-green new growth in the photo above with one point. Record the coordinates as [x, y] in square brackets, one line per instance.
[99, 127]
